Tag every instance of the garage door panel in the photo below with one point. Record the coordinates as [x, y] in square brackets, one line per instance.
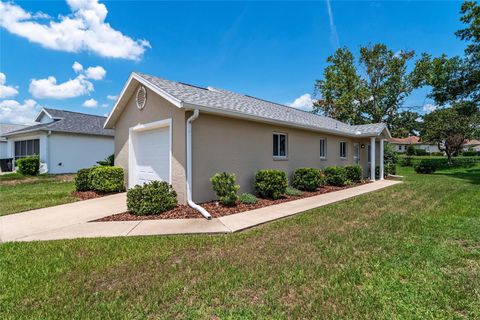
[152, 155]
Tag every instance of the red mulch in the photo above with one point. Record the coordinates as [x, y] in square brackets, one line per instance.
[217, 210]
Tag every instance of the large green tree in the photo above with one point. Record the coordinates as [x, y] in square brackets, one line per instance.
[406, 124]
[372, 95]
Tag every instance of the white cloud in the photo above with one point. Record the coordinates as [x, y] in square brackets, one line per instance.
[105, 105]
[49, 89]
[77, 67]
[112, 97]
[333, 29]
[95, 73]
[90, 103]
[6, 91]
[12, 111]
[304, 102]
[84, 29]
[429, 108]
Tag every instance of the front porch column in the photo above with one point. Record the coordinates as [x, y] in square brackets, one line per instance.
[382, 170]
[372, 158]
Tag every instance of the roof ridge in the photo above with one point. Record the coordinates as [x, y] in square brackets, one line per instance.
[86, 114]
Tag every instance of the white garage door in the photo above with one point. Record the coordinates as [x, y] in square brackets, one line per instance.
[152, 155]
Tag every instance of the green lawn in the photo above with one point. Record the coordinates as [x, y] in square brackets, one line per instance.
[19, 193]
[410, 251]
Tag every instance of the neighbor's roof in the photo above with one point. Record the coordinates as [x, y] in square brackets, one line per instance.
[69, 122]
[7, 127]
[408, 140]
[473, 142]
[235, 104]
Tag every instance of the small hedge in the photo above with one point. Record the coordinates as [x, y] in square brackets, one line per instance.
[354, 173]
[29, 166]
[441, 162]
[290, 191]
[226, 189]
[151, 198]
[336, 176]
[425, 167]
[82, 180]
[247, 198]
[107, 179]
[307, 179]
[271, 184]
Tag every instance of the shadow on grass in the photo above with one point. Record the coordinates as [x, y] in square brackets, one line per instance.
[472, 175]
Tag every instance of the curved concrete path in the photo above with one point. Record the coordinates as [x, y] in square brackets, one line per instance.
[70, 221]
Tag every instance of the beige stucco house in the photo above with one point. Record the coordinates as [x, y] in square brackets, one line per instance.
[184, 134]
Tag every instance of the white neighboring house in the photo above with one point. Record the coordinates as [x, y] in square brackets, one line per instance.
[401, 144]
[472, 144]
[65, 141]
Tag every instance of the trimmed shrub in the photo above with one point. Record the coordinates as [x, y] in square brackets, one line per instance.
[336, 176]
[390, 168]
[151, 198]
[354, 173]
[28, 166]
[425, 167]
[307, 179]
[442, 162]
[107, 179]
[82, 180]
[406, 161]
[108, 161]
[247, 198]
[410, 150]
[293, 192]
[469, 153]
[271, 184]
[224, 185]
[421, 152]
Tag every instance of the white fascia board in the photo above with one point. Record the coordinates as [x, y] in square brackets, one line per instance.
[116, 108]
[39, 115]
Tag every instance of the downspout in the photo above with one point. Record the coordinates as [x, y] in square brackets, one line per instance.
[190, 202]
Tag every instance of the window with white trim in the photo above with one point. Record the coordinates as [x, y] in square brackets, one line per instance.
[280, 145]
[343, 150]
[323, 148]
[27, 148]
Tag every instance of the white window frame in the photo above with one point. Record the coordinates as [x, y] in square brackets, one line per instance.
[279, 157]
[346, 150]
[324, 157]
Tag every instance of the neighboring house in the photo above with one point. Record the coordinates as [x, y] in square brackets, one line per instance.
[4, 129]
[472, 144]
[401, 144]
[184, 134]
[65, 141]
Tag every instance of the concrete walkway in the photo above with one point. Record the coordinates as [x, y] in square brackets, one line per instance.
[70, 221]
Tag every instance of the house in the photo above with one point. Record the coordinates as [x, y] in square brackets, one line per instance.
[472, 144]
[65, 141]
[184, 134]
[401, 144]
[5, 163]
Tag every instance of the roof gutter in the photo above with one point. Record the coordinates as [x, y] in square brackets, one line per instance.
[190, 202]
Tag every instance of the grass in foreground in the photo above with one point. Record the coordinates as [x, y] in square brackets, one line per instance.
[19, 193]
[409, 251]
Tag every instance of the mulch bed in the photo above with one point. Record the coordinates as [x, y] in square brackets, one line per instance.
[217, 210]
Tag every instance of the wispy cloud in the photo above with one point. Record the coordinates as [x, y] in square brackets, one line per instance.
[304, 102]
[333, 29]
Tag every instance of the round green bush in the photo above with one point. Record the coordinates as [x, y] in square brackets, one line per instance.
[247, 198]
[271, 184]
[293, 192]
[224, 185]
[107, 179]
[354, 173]
[151, 198]
[336, 176]
[29, 166]
[82, 180]
[307, 179]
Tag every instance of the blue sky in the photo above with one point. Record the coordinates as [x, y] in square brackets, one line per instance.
[272, 50]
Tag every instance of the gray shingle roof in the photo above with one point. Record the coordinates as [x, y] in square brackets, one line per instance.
[223, 100]
[70, 122]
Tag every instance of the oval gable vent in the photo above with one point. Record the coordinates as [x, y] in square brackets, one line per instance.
[141, 97]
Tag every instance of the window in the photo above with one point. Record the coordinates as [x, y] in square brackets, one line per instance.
[369, 153]
[323, 148]
[343, 150]
[26, 148]
[280, 145]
